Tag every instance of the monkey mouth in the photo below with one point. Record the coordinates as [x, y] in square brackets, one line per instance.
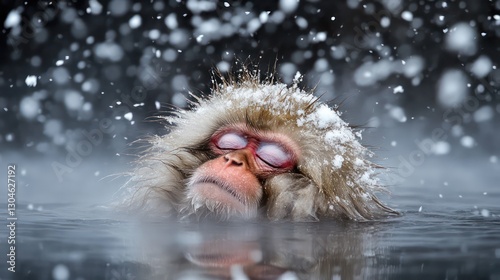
[220, 191]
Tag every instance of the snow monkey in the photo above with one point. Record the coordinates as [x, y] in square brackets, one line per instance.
[258, 148]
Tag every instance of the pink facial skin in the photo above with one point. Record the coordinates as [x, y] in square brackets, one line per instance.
[231, 182]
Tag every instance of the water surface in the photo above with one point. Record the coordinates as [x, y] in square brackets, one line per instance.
[447, 230]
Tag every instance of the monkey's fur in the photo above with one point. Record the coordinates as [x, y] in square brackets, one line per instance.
[333, 178]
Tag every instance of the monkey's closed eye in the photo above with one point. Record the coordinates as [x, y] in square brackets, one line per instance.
[231, 141]
[274, 155]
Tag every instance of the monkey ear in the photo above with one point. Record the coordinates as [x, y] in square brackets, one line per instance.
[292, 196]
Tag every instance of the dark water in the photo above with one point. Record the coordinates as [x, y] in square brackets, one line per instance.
[61, 242]
[449, 229]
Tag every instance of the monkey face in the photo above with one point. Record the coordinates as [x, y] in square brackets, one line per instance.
[232, 183]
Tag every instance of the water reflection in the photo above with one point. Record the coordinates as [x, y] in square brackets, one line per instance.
[62, 242]
[261, 251]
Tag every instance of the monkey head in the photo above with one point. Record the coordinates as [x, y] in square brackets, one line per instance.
[256, 148]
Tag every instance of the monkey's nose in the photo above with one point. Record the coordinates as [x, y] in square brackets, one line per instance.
[235, 158]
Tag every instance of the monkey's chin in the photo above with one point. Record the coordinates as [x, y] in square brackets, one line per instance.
[212, 199]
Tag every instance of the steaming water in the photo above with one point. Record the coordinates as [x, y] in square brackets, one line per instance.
[448, 230]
